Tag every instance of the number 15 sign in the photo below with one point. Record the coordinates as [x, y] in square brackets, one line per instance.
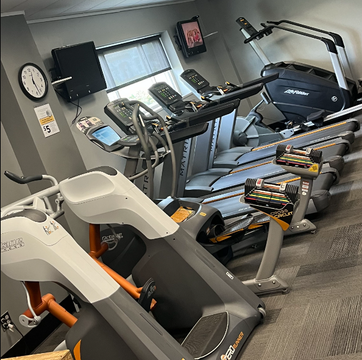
[46, 120]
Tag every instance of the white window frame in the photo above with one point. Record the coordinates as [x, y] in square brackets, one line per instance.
[116, 92]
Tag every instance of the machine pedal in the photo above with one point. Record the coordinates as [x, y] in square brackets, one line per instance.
[206, 336]
[147, 292]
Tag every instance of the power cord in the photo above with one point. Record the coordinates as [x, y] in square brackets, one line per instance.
[79, 108]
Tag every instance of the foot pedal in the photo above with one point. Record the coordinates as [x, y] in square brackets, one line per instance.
[147, 292]
[206, 336]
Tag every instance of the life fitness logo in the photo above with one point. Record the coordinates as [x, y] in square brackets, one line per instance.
[232, 348]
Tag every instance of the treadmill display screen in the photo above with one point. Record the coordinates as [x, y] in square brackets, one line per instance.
[106, 135]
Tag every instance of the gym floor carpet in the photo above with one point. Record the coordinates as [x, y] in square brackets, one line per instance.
[321, 317]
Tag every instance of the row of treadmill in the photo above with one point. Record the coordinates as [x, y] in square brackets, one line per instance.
[154, 284]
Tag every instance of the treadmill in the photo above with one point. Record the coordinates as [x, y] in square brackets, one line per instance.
[239, 231]
[235, 156]
[200, 220]
[256, 162]
[227, 202]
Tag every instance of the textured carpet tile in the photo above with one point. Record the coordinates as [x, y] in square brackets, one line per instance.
[317, 331]
[347, 334]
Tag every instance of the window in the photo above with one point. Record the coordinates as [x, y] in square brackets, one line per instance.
[131, 68]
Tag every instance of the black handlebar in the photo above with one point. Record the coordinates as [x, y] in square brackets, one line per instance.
[331, 47]
[336, 37]
[22, 179]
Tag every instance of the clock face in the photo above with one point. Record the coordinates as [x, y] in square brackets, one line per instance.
[33, 81]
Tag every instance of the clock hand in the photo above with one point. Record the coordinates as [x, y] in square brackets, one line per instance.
[34, 83]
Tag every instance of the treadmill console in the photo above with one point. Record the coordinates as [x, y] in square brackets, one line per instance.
[222, 93]
[171, 100]
[167, 97]
[103, 135]
[195, 80]
[165, 93]
[121, 115]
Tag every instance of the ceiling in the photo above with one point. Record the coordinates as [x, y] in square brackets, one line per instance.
[41, 10]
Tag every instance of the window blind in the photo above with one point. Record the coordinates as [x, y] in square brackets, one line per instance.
[126, 64]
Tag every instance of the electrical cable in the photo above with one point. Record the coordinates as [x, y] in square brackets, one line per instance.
[37, 318]
[79, 108]
[173, 157]
[155, 163]
[135, 118]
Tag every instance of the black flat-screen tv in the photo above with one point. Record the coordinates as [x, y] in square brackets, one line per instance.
[80, 61]
[190, 37]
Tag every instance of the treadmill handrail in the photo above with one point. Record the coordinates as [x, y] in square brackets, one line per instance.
[240, 94]
[262, 80]
[207, 114]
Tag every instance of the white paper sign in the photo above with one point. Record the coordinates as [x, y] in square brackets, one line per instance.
[46, 120]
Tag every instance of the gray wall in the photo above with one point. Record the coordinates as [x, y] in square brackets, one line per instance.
[112, 28]
[25, 151]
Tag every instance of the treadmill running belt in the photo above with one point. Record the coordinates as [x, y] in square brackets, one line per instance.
[265, 171]
[302, 140]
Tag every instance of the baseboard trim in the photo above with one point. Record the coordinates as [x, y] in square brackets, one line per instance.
[31, 340]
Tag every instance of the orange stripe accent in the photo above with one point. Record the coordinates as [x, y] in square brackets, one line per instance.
[220, 239]
[250, 167]
[224, 198]
[290, 180]
[324, 146]
[255, 226]
[76, 351]
[299, 136]
[269, 162]
[282, 223]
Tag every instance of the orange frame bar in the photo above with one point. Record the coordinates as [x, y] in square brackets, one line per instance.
[97, 249]
[47, 303]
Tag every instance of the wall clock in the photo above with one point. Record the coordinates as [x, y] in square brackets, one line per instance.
[33, 81]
